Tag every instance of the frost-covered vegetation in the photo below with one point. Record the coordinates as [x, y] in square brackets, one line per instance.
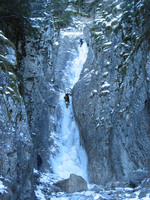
[8, 64]
[14, 20]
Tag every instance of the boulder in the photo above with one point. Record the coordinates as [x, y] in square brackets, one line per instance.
[137, 176]
[73, 184]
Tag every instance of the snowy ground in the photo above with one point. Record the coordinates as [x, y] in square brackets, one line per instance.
[95, 192]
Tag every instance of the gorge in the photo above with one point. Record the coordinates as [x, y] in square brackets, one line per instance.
[104, 134]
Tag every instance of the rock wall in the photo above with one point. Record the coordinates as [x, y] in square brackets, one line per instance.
[27, 101]
[111, 100]
[39, 93]
[15, 141]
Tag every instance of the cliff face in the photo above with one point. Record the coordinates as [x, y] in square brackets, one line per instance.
[111, 99]
[15, 141]
[26, 103]
[39, 93]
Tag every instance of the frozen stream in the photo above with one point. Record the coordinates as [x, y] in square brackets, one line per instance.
[69, 157]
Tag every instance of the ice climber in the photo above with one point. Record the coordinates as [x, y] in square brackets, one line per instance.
[39, 161]
[81, 42]
[56, 86]
[66, 97]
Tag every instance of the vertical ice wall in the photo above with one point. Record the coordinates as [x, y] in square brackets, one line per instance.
[70, 156]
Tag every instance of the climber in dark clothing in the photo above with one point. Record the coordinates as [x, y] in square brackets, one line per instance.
[39, 161]
[66, 97]
[81, 42]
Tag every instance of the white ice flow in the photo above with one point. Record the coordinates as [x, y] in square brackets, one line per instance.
[71, 157]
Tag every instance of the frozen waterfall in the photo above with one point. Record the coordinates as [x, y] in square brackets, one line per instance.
[69, 156]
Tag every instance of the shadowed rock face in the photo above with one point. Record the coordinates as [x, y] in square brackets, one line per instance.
[15, 141]
[111, 99]
[6, 195]
[73, 184]
[24, 119]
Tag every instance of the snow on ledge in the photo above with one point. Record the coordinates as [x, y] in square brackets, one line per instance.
[2, 188]
[105, 85]
[67, 32]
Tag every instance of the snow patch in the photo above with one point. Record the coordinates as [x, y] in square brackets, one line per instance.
[94, 91]
[3, 37]
[71, 33]
[10, 56]
[39, 194]
[96, 73]
[86, 70]
[56, 43]
[37, 19]
[2, 188]
[105, 74]
[105, 92]
[105, 85]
